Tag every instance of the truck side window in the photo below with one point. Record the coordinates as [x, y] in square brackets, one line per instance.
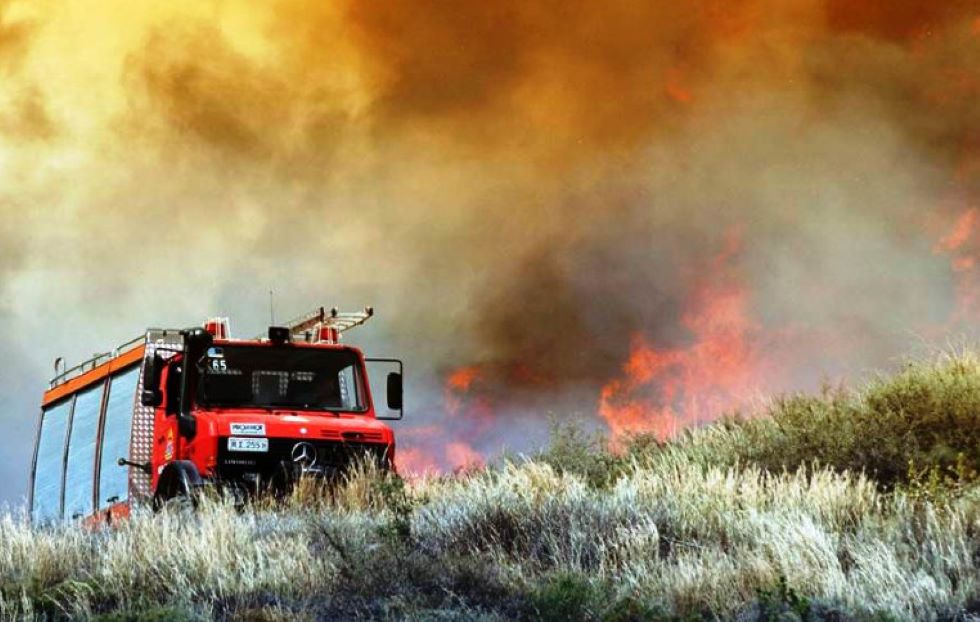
[46, 494]
[114, 479]
[79, 467]
[175, 370]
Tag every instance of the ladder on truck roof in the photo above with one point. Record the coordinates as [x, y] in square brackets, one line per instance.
[326, 325]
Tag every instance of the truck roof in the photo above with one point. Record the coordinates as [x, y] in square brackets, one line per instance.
[102, 365]
[86, 377]
[320, 329]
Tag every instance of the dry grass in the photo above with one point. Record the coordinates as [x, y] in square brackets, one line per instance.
[721, 525]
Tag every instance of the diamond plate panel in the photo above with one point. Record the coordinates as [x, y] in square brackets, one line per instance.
[141, 441]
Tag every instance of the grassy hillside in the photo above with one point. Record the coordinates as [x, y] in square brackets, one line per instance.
[847, 505]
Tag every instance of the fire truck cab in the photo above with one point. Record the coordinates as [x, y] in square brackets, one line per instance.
[174, 410]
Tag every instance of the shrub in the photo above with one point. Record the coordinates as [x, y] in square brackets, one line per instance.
[572, 450]
[925, 418]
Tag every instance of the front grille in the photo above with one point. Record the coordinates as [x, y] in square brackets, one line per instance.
[332, 456]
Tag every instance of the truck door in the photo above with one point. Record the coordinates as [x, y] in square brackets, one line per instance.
[115, 437]
[165, 433]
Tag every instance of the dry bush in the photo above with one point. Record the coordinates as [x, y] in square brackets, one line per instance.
[927, 417]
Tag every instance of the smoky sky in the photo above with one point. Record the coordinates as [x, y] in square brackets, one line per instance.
[522, 187]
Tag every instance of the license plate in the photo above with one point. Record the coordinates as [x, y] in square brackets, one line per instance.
[248, 444]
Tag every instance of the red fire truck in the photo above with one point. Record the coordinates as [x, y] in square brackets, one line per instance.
[174, 410]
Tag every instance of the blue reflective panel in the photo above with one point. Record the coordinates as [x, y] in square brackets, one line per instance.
[79, 474]
[50, 460]
[114, 479]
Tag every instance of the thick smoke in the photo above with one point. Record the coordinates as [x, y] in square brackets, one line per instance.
[523, 190]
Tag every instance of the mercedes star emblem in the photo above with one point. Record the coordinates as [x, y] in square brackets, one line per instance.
[304, 454]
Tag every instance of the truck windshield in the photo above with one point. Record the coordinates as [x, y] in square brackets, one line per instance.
[280, 377]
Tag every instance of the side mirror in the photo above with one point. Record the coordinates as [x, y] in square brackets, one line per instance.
[394, 376]
[151, 395]
[395, 391]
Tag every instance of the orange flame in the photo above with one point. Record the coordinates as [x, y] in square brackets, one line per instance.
[960, 245]
[665, 389]
[459, 384]
[449, 447]
[463, 456]
[959, 234]
[675, 87]
[415, 461]
[462, 379]
[727, 361]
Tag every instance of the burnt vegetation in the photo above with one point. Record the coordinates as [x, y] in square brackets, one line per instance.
[847, 505]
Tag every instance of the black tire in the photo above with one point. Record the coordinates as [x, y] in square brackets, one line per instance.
[180, 485]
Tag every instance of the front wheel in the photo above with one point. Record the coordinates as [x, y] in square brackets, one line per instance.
[180, 486]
